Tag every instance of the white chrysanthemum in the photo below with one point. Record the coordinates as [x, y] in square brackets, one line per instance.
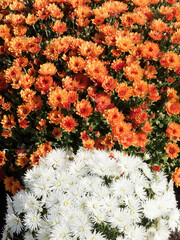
[83, 154]
[120, 218]
[104, 165]
[28, 236]
[137, 233]
[152, 209]
[146, 170]
[32, 220]
[72, 215]
[33, 175]
[131, 201]
[59, 181]
[53, 198]
[14, 223]
[141, 192]
[54, 216]
[122, 187]
[95, 236]
[10, 209]
[57, 157]
[78, 167]
[127, 163]
[67, 198]
[44, 231]
[94, 204]
[162, 231]
[99, 216]
[18, 201]
[160, 176]
[81, 228]
[91, 183]
[41, 187]
[139, 178]
[30, 202]
[60, 231]
[110, 203]
[174, 218]
[159, 187]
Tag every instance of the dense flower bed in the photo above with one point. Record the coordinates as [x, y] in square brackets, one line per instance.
[120, 198]
[98, 74]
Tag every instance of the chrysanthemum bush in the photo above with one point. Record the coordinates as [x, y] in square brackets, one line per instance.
[93, 194]
[98, 74]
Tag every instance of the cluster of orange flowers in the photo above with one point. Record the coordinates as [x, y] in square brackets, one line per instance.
[88, 72]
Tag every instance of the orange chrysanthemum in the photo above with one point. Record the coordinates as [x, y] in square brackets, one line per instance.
[158, 25]
[134, 72]
[23, 110]
[155, 35]
[153, 93]
[173, 107]
[172, 150]
[108, 142]
[4, 31]
[76, 64]
[55, 98]
[125, 43]
[90, 49]
[22, 159]
[150, 50]
[140, 89]
[6, 134]
[172, 94]
[44, 148]
[47, 69]
[57, 132]
[103, 102]
[117, 65]
[141, 139]
[173, 131]
[113, 116]
[34, 158]
[12, 185]
[2, 158]
[84, 108]
[124, 91]
[43, 83]
[8, 122]
[13, 73]
[59, 27]
[55, 11]
[36, 103]
[150, 72]
[55, 116]
[84, 136]
[147, 127]
[109, 83]
[31, 19]
[27, 81]
[95, 69]
[23, 123]
[89, 144]
[120, 129]
[68, 123]
[27, 94]
[170, 60]
[175, 38]
[17, 45]
[176, 177]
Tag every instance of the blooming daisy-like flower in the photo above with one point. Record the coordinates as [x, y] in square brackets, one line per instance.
[32, 220]
[73, 200]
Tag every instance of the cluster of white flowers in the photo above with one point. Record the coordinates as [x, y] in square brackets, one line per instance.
[93, 195]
